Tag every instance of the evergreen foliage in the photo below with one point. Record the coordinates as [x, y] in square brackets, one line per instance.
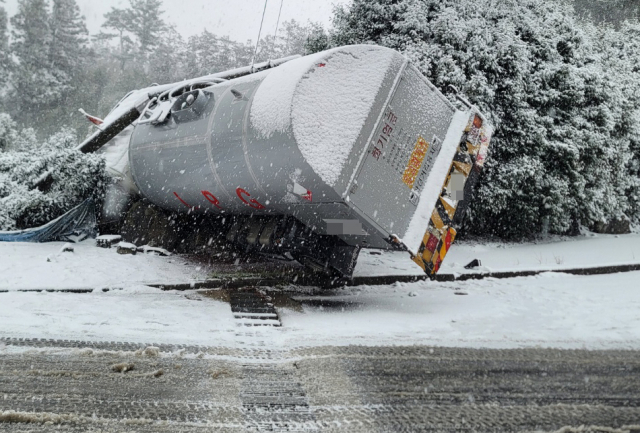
[117, 19]
[5, 63]
[146, 23]
[51, 57]
[563, 94]
[620, 53]
[207, 53]
[168, 55]
[74, 177]
[69, 35]
[562, 149]
[33, 82]
[143, 20]
[317, 39]
[608, 11]
[8, 132]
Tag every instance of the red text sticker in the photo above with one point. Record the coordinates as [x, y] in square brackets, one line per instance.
[211, 198]
[253, 202]
[182, 201]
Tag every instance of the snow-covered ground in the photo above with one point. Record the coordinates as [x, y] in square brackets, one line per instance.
[26, 266]
[590, 250]
[44, 266]
[138, 313]
[547, 310]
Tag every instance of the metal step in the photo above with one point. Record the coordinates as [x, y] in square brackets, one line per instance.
[252, 308]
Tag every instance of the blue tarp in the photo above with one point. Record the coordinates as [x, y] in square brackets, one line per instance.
[76, 225]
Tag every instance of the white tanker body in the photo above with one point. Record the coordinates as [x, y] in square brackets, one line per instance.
[353, 142]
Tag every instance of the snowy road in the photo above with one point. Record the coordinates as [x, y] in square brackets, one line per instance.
[350, 389]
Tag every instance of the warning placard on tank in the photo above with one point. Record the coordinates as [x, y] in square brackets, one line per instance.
[427, 165]
[415, 162]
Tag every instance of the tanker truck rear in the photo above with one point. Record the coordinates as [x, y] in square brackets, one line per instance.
[316, 158]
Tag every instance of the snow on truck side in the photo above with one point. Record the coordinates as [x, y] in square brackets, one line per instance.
[353, 142]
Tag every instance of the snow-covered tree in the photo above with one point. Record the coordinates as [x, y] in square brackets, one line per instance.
[293, 38]
[139, 28]
[118, 20]
[73, 177]
[4, 48]
[33, 82]
[209, 53]
[202, 48]
[609, 11]
[559, 157]
[68, 50]
[8, 131]
[620, 53]
[317, 39]
[167, 63]
[144, 20]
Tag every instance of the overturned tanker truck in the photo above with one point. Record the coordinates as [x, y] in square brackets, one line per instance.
[310, 157]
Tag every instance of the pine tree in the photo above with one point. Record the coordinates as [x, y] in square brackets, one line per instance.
[68, 49]
[243, 53]
[202, 49]
[8, 132]
[33, 83]
[267, 49]
[208, 54]
[118, 20]
[225, 56]
[144, 20]
[293, 38]
[167, 64]
[4, 49]
[620, 53]
[609, 11]
[317, 40]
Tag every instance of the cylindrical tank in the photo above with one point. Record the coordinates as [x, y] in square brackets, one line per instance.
[256, 142]
[331, 138]
[280, 141]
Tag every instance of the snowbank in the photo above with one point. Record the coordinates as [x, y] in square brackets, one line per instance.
[547, 310]
[26, 266]
[556, 253]
[589, 250]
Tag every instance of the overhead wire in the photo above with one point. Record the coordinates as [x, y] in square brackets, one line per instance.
[275, 34]
[255, 52]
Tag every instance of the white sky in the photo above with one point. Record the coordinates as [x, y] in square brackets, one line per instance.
[238, 19]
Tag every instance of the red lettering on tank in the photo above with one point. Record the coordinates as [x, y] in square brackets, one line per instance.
[184, 202]
[253, 202]
[211, 199]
